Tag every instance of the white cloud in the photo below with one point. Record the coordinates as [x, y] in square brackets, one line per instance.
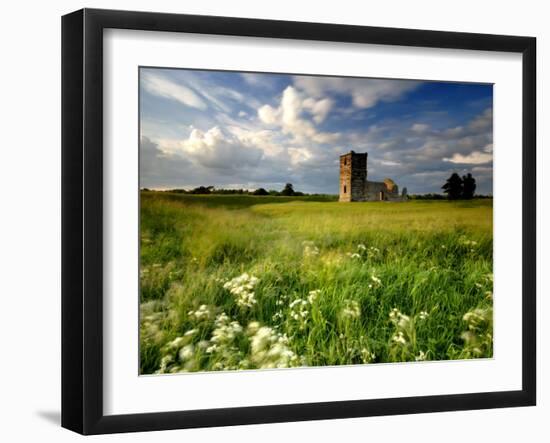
[318, 108]
[268, 115]
[262, 139]
[254, 79]
[164, 87]
[454, 132]
[299, 155]
[214, 149]
[482, 122]
[365, 93]
[420, 128]
[289, 116]
[473, 158]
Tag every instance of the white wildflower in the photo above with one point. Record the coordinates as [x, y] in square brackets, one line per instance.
[252, 327]
[299, 311]
[470, 243]
[376, 282]
[361, 247]
[423, 315]
[399, 338]
[351, 309]
[242, 287]
[477, 318]
[367, 356]
[211, 349]
[312, 296]
[186, 352]
[400, 320]
[203, 313]
[269, 349]
[176, 343]
[165, 363]
[310, 249]
[421, 356]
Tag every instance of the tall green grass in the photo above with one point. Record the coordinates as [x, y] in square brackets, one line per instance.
[321, 282]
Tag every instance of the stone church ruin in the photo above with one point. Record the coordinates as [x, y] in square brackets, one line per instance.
[354, 186]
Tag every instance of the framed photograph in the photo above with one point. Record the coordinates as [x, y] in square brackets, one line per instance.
[269, 221]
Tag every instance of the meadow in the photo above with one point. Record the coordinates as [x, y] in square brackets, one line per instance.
[232, 282]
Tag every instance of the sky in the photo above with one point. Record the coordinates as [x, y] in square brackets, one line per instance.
[251, 130]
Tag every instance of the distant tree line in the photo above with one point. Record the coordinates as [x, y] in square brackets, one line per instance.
[287, 191]
[455, 188]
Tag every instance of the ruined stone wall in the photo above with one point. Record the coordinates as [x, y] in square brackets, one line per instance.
[354, 185]
[380, 191]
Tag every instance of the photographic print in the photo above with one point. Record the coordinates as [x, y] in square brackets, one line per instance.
[291, 220]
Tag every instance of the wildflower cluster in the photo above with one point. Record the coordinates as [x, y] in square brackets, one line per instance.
[242, 287]
[367, 356]
[375, 282]
[310, 249]
[364, 252]
[224, 333]
[178, 354]
[151, 319]
[299, 309]
[357, 349]
[403, 343]
[351, 310]
[269, 349]
[312, 296]
[202, 313]
[478, 338]
[470, 245]
[223, 345]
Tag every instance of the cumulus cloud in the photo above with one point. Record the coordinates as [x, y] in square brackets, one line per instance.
[289, 116]
[365, 93]
[269, 115]
[263, 139]
[473, 158]
[215, 149]
[163, 87]
[318, 108]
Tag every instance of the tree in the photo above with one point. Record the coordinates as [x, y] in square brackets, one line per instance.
[453, 187]
[260, 191]
[469, 185]
[288, 190]
[202, 190]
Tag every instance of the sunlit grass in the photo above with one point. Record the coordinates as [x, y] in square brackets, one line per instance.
[280, 282]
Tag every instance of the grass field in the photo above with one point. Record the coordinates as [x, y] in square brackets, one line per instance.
[246, 282]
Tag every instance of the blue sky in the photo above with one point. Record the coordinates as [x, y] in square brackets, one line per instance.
[242, 130]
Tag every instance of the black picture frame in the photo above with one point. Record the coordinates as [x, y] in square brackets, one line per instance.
[82, 219]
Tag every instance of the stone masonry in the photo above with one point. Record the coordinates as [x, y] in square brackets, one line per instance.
[354, 186]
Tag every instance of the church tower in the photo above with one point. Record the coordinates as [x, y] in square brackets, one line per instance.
[353, 177]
